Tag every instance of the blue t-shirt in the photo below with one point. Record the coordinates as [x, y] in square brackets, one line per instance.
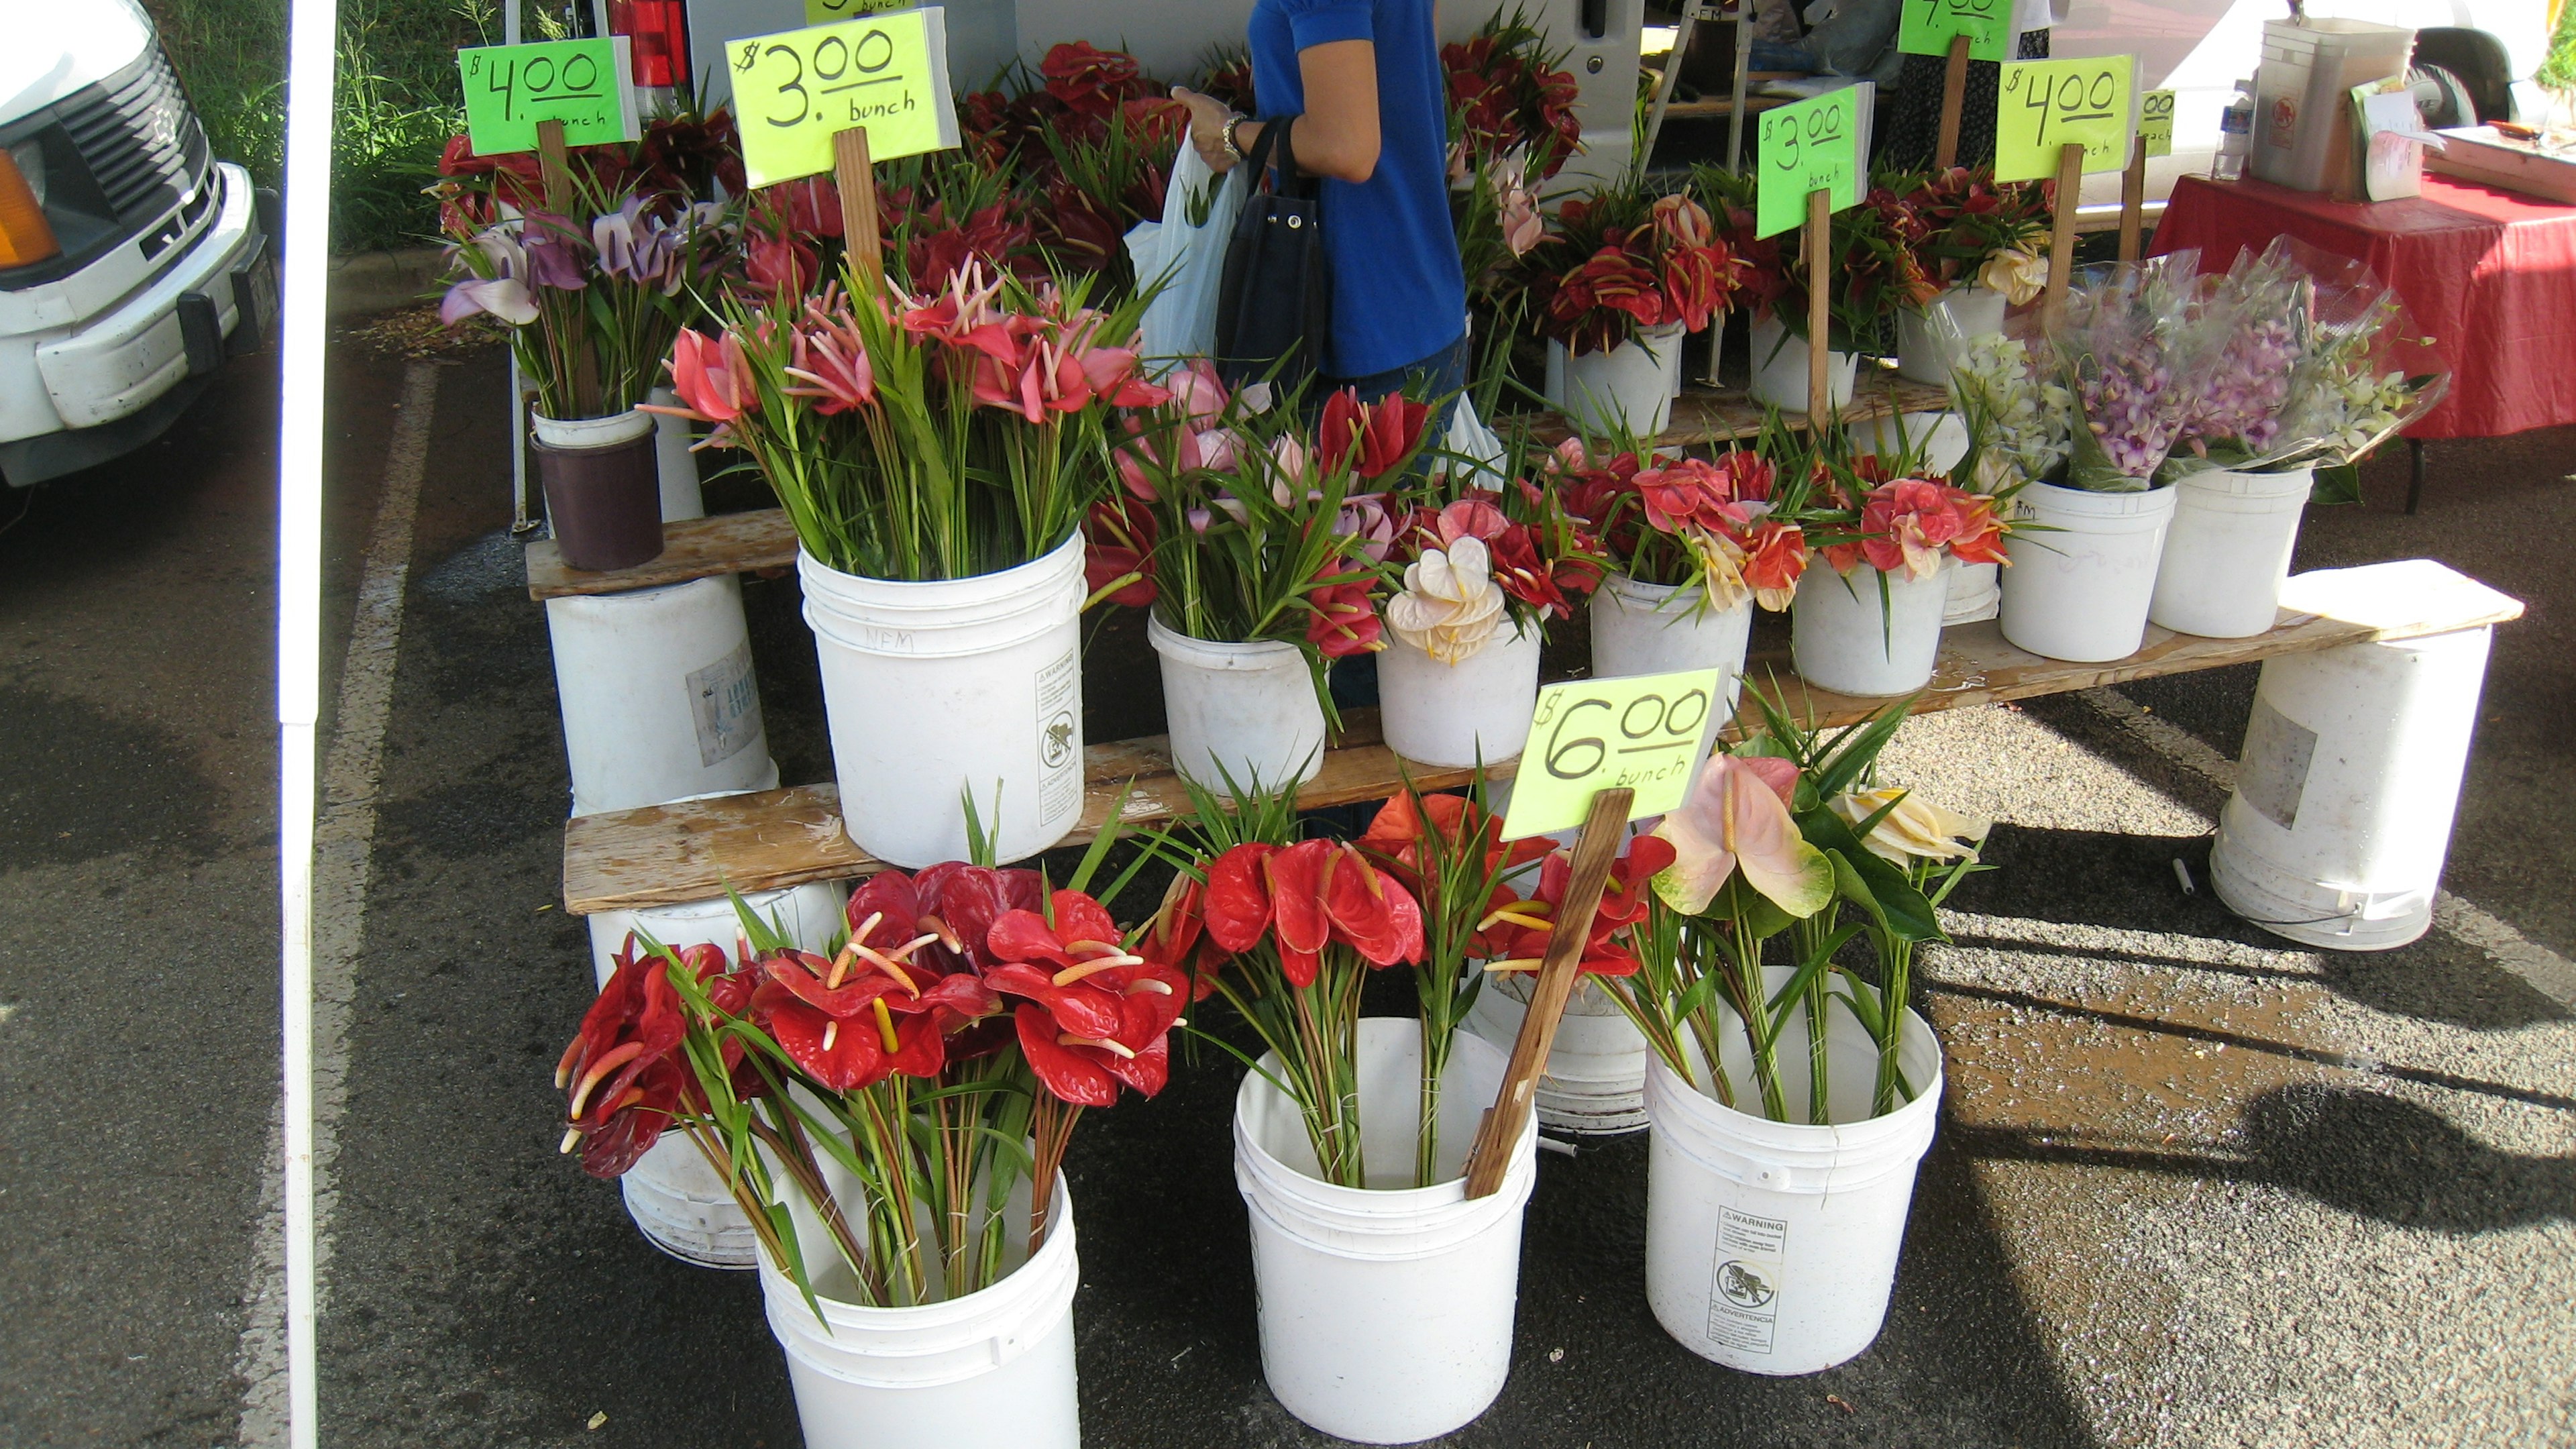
[1399, 293]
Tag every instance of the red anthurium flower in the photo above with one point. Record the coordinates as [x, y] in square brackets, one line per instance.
[1373, 438]
[1775, 556]
[618, 1071]
[1238, 901]
[1527, 926]
[710, 376]
[1397, 833]
[1325, 892]
[1118, 535]
[873, 1009]
[1094, 1014]
[779, 263]
[1345, 621]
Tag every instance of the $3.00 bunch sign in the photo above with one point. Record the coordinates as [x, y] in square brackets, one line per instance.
[793, 90]
[1815, 145]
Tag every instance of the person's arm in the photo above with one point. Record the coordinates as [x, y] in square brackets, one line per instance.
[1340, 138]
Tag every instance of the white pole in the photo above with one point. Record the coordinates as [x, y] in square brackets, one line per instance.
[304, 297]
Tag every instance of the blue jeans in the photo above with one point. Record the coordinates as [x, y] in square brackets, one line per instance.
[1443, 375]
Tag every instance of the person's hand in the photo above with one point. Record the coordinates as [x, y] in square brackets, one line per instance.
[1208, 120]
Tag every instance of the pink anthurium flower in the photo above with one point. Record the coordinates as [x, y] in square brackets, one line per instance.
[1737, 816]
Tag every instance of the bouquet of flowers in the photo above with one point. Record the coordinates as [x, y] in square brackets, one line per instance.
[1871, 273]
[1682, 520]
[2126, 351]
[1893, 518]
[875, 1108]
[1236, 522]
[1509, 94]
[935, 436]
[2019, 415]
[593, 300]
[1475, 562]
[1623, 259]
[1962, 225]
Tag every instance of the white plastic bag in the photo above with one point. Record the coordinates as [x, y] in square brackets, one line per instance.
[1471, 440]
[1187, 256]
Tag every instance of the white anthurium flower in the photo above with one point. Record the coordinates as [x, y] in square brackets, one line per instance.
[2018, 274]
[1721, 568]
[1449, 605]
[1916, 829]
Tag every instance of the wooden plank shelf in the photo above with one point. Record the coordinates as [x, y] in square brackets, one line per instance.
[735, 543]
[673, 854]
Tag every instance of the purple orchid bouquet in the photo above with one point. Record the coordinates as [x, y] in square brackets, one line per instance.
[2127, 350]
[592, 307]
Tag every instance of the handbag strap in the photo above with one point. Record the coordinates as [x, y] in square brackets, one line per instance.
[1285, 180]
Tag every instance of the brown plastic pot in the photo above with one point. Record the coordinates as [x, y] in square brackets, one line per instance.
[605, 503]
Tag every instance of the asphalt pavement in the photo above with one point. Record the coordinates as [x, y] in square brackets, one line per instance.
[2193, 1185]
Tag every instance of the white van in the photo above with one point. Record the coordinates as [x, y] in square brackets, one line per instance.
[132, 264]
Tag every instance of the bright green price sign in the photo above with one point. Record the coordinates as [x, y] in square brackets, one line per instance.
[2050, 104]
[1648, 732]
[824, 12]
[793, 90]
[1927, 25]
[510, 88]
[2155, 122]
[1813, 145]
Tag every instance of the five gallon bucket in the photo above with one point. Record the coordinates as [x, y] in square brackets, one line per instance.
[1596, 1068]
[935, 691]
[1780, 368]
[658, 697]
[2341, 816]
[675, 466]
[2079, 584]
[1458, 714]
[991, 1370]
[1640, 628]
[1245, 711]
[1927, 346]
[1771, 1247]
[2228, 552]
[679, 1203]
[1844, 637]
[1631, 385]
[1941, 438]
[603, 494]
[1386, 1313]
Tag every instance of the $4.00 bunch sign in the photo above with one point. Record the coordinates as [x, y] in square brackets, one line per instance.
[510, 88]
[793, 90]
[1815, 145]
[1928, 25]
[2047, 105]
[1648, 732]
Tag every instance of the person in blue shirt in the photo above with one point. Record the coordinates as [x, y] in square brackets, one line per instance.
[1363, 79]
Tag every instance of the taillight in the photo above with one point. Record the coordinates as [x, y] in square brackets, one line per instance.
[25, 235]
[659, 34]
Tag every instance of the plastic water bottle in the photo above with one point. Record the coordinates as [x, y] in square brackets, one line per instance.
[2235, 134]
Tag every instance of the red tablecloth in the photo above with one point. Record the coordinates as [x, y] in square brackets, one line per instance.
[2491, 275]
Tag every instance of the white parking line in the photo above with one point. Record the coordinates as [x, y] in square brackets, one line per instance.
[342, 839]
[2547, 972]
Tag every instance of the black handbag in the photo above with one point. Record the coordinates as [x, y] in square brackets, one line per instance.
[1275, 299]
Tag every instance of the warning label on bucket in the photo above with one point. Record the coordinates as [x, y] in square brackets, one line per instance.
[2278, 753]
[1744, 1294]
[725, 704]
[1060, 738]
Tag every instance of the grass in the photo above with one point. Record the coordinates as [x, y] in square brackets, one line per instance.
[397, 100]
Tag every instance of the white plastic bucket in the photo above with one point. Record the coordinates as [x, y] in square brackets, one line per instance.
[1922, 354]
[1245, 710]
[1642, 628]
[2080, 592]
[1942, 438]
[1780, 368]
[1771, 1247]
[991, 1370]
[1386, 1313]
[2228, 552]
[605, 432]
[937, 690]
[1843, 638]
[2341, 816]
[1631, 385]
[658, 696]
[681, 495]
[1456, 714]
[1596, 1067]
[1976, 593]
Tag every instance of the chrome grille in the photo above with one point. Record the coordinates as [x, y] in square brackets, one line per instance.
[139, 138]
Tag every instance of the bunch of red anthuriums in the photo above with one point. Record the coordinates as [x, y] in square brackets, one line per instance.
[936, 1057]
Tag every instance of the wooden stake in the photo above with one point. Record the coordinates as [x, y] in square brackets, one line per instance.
[1954, 98]
[554, 178]
[1604, 831]
[1820, 299]
[857, 180]
[2133, 200]
[2061, 235]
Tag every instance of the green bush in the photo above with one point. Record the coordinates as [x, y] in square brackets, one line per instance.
[396, 101]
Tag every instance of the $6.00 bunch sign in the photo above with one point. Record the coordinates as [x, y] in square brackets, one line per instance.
[793, 90]
[1648, 732]
[1814, 145]
[2047, 105]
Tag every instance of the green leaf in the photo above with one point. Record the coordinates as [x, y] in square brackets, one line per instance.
[2340, 483]
[1905, 912]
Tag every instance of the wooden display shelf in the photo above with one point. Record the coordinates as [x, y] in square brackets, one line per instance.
[1720, 106]
[673, 854]
[735, 543]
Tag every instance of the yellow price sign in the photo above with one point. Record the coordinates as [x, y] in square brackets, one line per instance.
[2155, 122]
[2046, 105]
[1648, 732]
[824, 12]
[793, 90]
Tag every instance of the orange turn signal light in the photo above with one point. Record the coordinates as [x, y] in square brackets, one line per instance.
[25, 235]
